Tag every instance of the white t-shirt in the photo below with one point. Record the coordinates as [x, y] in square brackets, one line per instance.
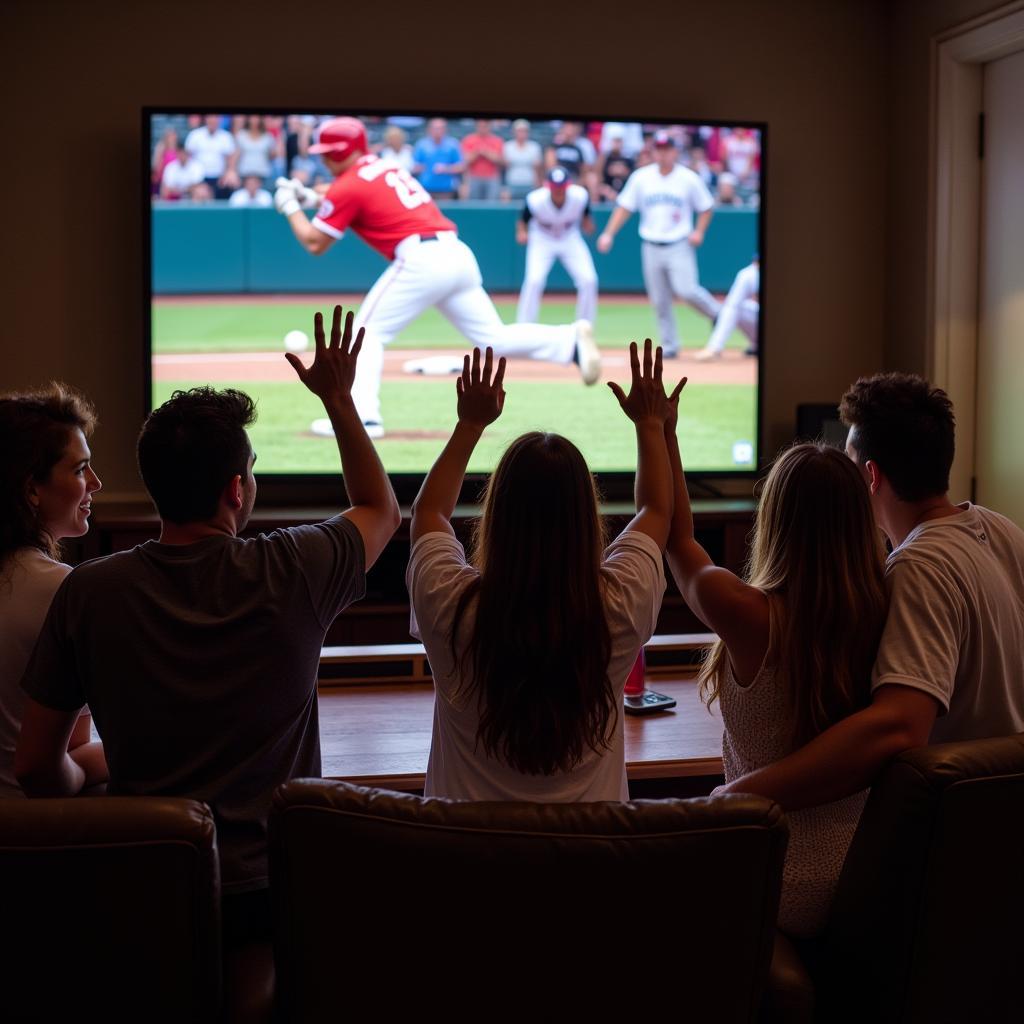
[956, 622]
[666, 202]
[634, 583]
[241, 197]
[179, 178]
[211, 149]
[28, 581]
[557, 221]
[521, 162]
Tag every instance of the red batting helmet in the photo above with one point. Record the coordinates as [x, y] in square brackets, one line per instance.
[341, 136]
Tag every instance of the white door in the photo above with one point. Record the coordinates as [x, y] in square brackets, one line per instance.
[999, 446]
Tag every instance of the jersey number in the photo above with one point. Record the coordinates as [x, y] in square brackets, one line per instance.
[409, 191]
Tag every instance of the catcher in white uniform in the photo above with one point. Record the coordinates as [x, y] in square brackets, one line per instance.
[741, 309]
[668, 196]
[549, 227]
[430, 266]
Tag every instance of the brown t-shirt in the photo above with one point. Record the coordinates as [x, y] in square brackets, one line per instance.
[199, 663]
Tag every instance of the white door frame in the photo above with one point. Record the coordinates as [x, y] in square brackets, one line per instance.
[958, 56]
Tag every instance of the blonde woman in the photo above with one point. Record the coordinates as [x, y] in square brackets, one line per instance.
[797, 641]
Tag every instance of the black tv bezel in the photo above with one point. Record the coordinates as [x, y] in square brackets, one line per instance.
[318, 488]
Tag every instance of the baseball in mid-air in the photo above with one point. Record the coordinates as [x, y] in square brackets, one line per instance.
[296, 341]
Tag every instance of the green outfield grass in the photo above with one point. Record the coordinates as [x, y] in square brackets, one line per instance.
[210, 326]
[712, 418]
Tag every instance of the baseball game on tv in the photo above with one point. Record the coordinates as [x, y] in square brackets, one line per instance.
[556, 241]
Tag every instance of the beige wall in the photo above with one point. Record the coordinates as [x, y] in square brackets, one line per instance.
[815, 71]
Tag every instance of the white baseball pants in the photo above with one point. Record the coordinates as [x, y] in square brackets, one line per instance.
[442, 273]
[541, 253]
[671, 271]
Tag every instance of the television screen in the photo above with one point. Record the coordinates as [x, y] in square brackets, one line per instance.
[557, 240]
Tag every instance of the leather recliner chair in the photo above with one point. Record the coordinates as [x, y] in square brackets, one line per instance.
[386, 903]
[928, 919]
[111, 910]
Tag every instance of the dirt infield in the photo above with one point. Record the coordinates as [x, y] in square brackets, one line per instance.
[215, 367]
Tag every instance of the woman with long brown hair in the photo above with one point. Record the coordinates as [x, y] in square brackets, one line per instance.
[46, 487]
[531, 639]
[797, 640]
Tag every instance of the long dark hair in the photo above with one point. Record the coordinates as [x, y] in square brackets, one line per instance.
[817, 554]
[35, 427]
[540, 645]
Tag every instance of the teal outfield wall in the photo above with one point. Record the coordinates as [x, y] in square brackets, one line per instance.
[214, 248]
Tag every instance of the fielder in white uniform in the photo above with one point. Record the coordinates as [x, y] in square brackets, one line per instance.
[741, 309]
[430, 266]
[549, 227]
[667, 195]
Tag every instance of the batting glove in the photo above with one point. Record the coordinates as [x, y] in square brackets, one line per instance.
[285, 199]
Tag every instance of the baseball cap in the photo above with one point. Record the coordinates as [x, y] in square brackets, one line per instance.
[663, 138]
[521, 123]
[558, 176]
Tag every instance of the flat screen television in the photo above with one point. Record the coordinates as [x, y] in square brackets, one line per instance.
[228, 282]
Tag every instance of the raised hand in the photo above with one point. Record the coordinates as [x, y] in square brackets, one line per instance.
[334, 365]
[646, 399]
[673, 406]
[481, 399]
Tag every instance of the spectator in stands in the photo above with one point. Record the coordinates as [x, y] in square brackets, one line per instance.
[725, 193]
[483, 153]
[523, 162]
[201, 192]
[198, 653]
[569, 149]
[46, 488]
[949, 662]
[697, 161]
[251, 193]
[630, 134]
[798, 638]
[741, 153]
[396, 149]
[215, 149]
[181, 174]
[437, 160]
[164, 152]
[522, 709]
[257, 149]
[613, 167]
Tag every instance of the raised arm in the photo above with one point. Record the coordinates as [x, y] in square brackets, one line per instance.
[480, 401]
[374, 510]
[648, 407]
[736, 612]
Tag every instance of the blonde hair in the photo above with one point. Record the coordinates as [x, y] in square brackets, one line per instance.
[816, 554]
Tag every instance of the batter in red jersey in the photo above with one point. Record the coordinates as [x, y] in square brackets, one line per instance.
[392, 212]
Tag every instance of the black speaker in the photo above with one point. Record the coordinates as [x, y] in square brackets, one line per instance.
[820, 422]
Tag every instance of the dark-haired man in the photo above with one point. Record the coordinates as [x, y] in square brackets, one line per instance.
[198, 653]
[949, 662]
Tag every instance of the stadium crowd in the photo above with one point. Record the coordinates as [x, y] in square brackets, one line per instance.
[236, 158]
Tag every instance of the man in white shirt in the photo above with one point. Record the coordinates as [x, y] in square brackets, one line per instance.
[668, 196]
[949, 662]
[214, 147]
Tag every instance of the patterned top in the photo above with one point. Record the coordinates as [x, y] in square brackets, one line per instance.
[758, 731]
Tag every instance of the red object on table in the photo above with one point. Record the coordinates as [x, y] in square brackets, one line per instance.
[635, 680]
